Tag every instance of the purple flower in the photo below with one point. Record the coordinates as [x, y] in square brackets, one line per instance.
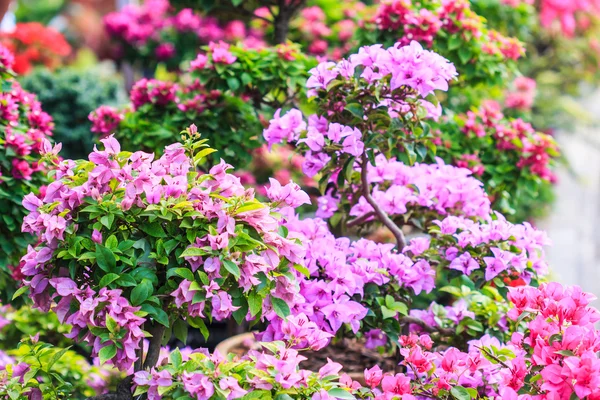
[321, 75]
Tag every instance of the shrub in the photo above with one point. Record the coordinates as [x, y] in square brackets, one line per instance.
[69, 95]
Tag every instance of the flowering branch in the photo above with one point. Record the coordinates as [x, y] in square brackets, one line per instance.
[383, 217]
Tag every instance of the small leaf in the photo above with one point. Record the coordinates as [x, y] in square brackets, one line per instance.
[181, 272]
[254, 303]
[111, 324]
[20, 291]
[108, 279]
[180, 329]
[105, 258]
[281, 308]
[460, 393]
[340, 393]
[232, 268]
[154, 229]
[193, 252]
[141, 292]
[107, 353]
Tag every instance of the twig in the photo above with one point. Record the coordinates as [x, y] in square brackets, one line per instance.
[383, 217]
[426, 327]
[360, 220]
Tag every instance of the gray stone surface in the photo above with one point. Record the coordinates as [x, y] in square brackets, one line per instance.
[574, 224]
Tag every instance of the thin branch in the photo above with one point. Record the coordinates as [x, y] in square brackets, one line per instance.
[361, 219]
[426, 327]
[383, 217]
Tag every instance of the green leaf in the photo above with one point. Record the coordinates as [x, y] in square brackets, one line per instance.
[176, 358]
[55, 358]
[460, 393]
[340, 393]
[105, 258]
[281, 308]
[111, 324]
[387, 313]
[20, 291]
[566, 353]
[182, 272]
[180, 329]
[254, 303]
[193, 252]
[249, 207]
[160, 316]
[232, 82]
[464, 53]
[232, 268]
[258, 395]
[107, 353]
[356, 110]
[108, 279]
[141, 292]
[112, 242]
[154, 229]
[198, 323]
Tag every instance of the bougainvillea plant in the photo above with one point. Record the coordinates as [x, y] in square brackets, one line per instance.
[154, 32]
[452, 29]
[159, 108]
[271, 76]
[23, 126]
[34, 44]
[514, 161]
[132, 247]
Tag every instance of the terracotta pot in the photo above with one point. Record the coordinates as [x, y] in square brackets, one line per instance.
[227, 345]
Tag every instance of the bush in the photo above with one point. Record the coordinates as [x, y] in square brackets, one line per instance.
[69, 95]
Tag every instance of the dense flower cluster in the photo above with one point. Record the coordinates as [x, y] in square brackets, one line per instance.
[522, 95]
[259, 374]
[402, 77]
[325, 36]
[34, 44]
[439, 187]
[534, 150]
[215, 255]
[570, 14]
[105, 120]
[154, 32]
[424, 22]
[23, 126]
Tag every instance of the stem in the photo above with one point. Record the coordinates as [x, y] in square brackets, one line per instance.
[282, 19]
[157, 331]
[426, 327]
[123, 391]
[383, 217]
[360, 220]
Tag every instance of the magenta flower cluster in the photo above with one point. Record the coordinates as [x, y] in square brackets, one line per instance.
[442, 188]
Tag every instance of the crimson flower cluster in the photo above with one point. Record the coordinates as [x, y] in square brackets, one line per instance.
[425, 23]
[154, 32]
[23, 127]
[35, 44]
